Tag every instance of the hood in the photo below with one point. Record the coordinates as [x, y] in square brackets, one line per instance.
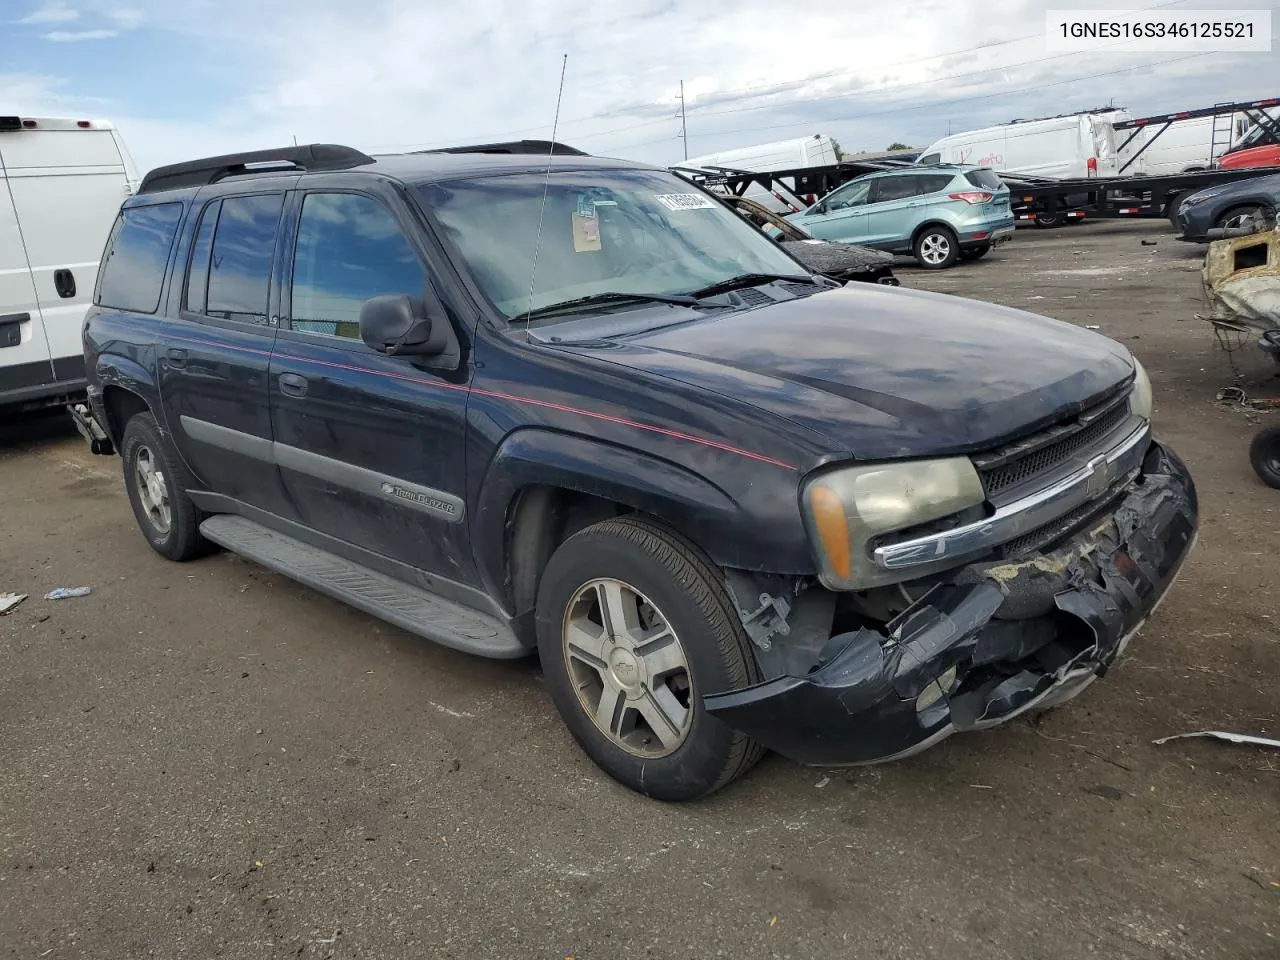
[1239, 188]
[822, 256]
[886, 372]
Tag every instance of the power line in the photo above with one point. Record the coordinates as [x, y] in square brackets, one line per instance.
[768, 91]
[935, 103]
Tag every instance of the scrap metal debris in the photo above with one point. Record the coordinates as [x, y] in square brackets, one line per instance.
[1241, 278]
[10, 600]
[1221, 735]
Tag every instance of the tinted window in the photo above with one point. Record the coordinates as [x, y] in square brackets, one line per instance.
[240, 268]
[137, 253]
[350, 249]
[934, 182]
[895, 188]
[984, 179]
[198, 278]
[850, 195]
[929, 160]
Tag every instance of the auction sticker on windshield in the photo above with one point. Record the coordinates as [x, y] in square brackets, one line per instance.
[685, 201]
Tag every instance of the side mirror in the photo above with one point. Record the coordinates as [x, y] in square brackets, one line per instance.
[398, 325]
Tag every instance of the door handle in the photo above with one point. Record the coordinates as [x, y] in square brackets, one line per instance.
[64, 282]
[293, 385]
[177, 358]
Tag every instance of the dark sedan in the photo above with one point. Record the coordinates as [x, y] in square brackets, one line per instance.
[1229, 205]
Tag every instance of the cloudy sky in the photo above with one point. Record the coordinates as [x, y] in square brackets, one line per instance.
[184, 78]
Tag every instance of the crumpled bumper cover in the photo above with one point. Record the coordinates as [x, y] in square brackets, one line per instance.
[1020, 635]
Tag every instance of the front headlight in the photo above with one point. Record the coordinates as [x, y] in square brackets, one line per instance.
[1140, 397]
[846, 509]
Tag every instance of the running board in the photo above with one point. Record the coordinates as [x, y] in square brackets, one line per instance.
[408, 607]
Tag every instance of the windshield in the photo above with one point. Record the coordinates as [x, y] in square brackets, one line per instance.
[1258, 136]
[603, 231]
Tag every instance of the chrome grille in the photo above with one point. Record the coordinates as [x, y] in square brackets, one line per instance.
[1043, 454]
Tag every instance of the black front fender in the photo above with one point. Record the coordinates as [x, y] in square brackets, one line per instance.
[762, 532]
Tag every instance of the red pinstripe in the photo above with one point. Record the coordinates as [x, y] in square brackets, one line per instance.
[513, 398]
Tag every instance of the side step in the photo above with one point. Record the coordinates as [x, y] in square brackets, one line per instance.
[408, 607]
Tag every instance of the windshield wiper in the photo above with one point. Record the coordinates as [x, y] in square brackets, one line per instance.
[609, 297]
[749, 280]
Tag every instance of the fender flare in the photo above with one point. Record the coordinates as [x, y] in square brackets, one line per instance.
[125, 373]
[691, 503]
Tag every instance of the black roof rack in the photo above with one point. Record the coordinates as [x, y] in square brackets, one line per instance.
[515, 146]
[309, 158]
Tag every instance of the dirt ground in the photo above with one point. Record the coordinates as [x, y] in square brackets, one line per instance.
[207, 760]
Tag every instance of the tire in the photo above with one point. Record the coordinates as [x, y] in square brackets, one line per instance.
[165, 514]
[1171, 210]
[975, 253]
[1257, 211]
[1264, 454]
[1048, 221]
[659, 578]
[935, 248]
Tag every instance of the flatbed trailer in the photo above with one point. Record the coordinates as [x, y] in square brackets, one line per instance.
[1050, 203]
[1035, 200]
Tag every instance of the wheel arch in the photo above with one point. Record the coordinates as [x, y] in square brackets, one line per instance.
[542, 486]
[933, 222]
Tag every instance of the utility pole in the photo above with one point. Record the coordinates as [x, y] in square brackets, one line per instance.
[684, 131]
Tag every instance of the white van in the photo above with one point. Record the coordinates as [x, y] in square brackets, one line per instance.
[61, 186]
[818, 150]
[1071, 147]
[815, 151]
[1186, 145]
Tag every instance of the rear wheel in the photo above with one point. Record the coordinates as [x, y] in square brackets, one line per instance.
[157, 484]
[975, 253]
[634, 628]
[1264, 454]
[936, 248]
[1049, 220]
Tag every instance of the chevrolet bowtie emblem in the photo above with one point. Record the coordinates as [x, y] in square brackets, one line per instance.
[1099, 476]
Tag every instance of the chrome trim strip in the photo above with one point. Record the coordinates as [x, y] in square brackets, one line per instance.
[413, 496]
[1023, 515]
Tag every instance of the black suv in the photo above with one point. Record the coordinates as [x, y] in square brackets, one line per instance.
[517, 398]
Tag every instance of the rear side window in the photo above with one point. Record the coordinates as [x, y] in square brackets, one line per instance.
[350, 249]
[896, 188]
[929, 159]
[231, 270]
[197, 292]
[934, 182]
[137, 253]
[984, 179]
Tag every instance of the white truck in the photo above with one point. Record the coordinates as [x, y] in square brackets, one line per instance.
[61, 185]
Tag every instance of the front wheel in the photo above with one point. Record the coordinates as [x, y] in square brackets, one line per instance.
[634, 628]
[936, 248]
[1257, 214]
[1264, 454]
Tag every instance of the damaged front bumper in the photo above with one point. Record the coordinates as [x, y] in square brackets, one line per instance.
[995, 640]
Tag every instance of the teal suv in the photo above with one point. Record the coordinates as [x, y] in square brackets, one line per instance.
[938, 215]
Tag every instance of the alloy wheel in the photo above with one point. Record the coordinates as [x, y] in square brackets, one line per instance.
[628, 667]
[935, 248]
[153, 492]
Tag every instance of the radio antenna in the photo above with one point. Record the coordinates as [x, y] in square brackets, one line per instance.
[546, 185]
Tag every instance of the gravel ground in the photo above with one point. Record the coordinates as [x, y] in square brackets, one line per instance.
[206, 760]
